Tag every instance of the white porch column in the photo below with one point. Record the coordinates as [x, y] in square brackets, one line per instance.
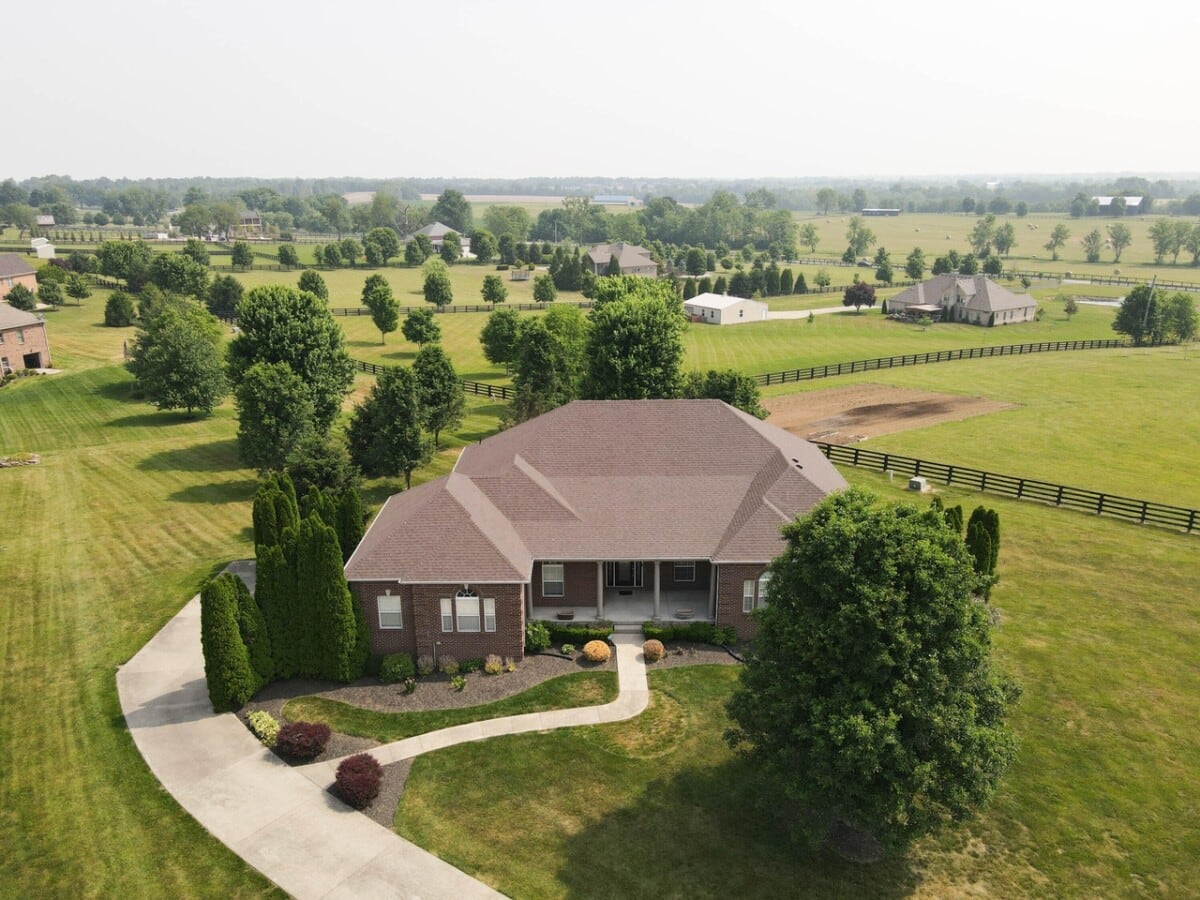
[712, 592]
[657, 593]
[599, 589]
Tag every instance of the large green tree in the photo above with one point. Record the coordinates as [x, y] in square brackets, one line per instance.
[437, 288]
[227, 670]
[421, 327]
[440, 392]
[493, 290]
[1140, 315]
[983, 235]
[385, 435]
[502, 219]
[635, 348]
[275, 414]
[545, 375]
[735, 388]
[279, 324]
[337, 625]
[1005, 238]
[1057, 238]
[385, 311]
[914, 264]
[858, 236]
[380, 245]
[870, 699]
[1179, 318]
[176, 358]
[453, 210]
[224, 294]
[311, 281]
[1093, 243]
[499, 337]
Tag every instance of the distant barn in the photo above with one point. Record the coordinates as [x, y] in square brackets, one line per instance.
[880, 211]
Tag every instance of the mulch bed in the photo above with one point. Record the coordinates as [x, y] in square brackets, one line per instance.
[434, 692]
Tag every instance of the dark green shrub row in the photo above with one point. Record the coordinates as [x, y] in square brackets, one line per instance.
[578, 634]
[696, 632]
[396, 667]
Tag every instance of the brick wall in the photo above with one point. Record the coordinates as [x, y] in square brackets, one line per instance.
[729, 596]
[422, 614]
[35, 342]
[579, 585]
[666, 574]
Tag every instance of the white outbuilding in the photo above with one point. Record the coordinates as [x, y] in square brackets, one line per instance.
[722, 309]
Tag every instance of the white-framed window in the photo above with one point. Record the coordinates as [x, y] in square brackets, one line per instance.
[763, 580]
[748, 595]
[685, 570]
[466, 610]
[489, 614]
[20, 335]
[391, 615]
[553, 584]
[447, 614]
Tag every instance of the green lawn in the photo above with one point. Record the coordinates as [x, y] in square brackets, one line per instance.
[1100, 632]
[564, 692]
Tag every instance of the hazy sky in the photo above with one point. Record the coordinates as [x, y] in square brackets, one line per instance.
[682, 88]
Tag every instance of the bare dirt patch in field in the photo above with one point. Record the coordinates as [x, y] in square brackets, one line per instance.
[849, 414]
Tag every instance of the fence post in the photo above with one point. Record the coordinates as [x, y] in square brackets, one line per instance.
[1099, 504]
[983, 481]
[1058, 499]
[950, 475]
[1020, 487]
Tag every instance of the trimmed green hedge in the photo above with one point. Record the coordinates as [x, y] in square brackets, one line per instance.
[696, 632]
[578, 634]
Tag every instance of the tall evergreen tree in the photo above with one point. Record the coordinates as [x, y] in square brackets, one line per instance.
[337, 645]
[275, 591]
[231, 680]
[253, 629]
[350, 515]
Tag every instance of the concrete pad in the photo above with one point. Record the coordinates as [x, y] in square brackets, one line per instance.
[185, 753]
[181, 697]
[243, 798]
[412, 873]
[496, 727]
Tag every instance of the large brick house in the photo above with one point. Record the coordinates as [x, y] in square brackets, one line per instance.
[14, 270]
[631, 259]
[23, 341]
[622, 511]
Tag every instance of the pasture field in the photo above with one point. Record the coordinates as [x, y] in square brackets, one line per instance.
[1097, 620]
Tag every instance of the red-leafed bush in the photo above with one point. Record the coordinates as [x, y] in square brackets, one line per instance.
[358, 778]
[302, 740]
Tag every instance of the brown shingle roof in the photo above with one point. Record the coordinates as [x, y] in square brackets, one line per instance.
[11, 317]
[985, 295]
[628, 255]
[13, 264]
[638, 479]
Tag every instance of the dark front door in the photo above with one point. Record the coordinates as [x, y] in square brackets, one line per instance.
[623, 574]
[33, 360]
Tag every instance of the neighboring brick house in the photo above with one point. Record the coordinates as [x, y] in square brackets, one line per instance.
[23, 341]
[621, 510]
[974, 299]
[15, 270]
[631, 259]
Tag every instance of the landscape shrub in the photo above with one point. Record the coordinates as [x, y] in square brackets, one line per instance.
[653, 650]
[302, 740]
[467, 666]
[458, 683]
[510, 664]
[578, 634]
[425, 664]
[410, 685]
[537, 637]
[449, 665]
[397, 667]
[264, 725]
[358, 779]
[695, 632]
[493, 664]
[568, 649]
[596, 651]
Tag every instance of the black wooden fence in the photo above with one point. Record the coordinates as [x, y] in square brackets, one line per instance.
[479, 388]
[1141, 511]
[934, 356]
[1106, 279]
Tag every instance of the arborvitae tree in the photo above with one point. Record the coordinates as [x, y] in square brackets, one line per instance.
[350, 515]
[689, 288]
[253, 629]
[337, 646]
[266, 525]
[614, 266]
[801, 286]
[275, 591]
[287, 510]
[772, 284]
[786, 282]
[322, 504]
[231, 680]
[954, 517]
[705, 286]
[720, 286]
[979, 543]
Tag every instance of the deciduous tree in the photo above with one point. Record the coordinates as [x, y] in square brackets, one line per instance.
[735, 388]
[1005, 238]
[378, 298]
[311, 281]
[858, 236]
[242, 256]
[1092, 243]
[1139, 315]
[635, 347]
[420, 327]
[385, 435]
[176, 359]
[983, 235]
[380, 245]
[914, 264]
[859, 294]
[493, 290]
[275, 414]
[499, 337]
[483, 246]
[439, 390]
[453, 210]
[871, 700]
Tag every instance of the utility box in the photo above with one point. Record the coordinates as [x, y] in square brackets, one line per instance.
[918, 484]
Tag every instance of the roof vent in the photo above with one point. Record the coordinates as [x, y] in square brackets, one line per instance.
[796, 463]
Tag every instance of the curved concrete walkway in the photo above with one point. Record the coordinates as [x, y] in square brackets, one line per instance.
[280, 819]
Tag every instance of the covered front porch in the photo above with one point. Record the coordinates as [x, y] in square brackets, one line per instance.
[624, 592]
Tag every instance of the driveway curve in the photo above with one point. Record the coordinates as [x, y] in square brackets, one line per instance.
[281, 820]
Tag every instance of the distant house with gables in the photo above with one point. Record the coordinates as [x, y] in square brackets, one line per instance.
[15, 270]
[436, 232]
[1134, 206]
[974, 299]
[631, 259]
[23, 341]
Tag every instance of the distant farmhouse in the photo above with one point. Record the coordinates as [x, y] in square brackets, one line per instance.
[13, 271]
[880, 211]
[974, 299]
[721, 309]
[631, 259]
[436, 232]
[44, 221]
[1133, 205]
[616, 200]
[23, 341]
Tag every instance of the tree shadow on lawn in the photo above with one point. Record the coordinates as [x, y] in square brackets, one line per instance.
[716, 832]
[214, 456]
[218, 492]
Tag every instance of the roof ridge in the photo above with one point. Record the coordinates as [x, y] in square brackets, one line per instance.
[535, 475]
